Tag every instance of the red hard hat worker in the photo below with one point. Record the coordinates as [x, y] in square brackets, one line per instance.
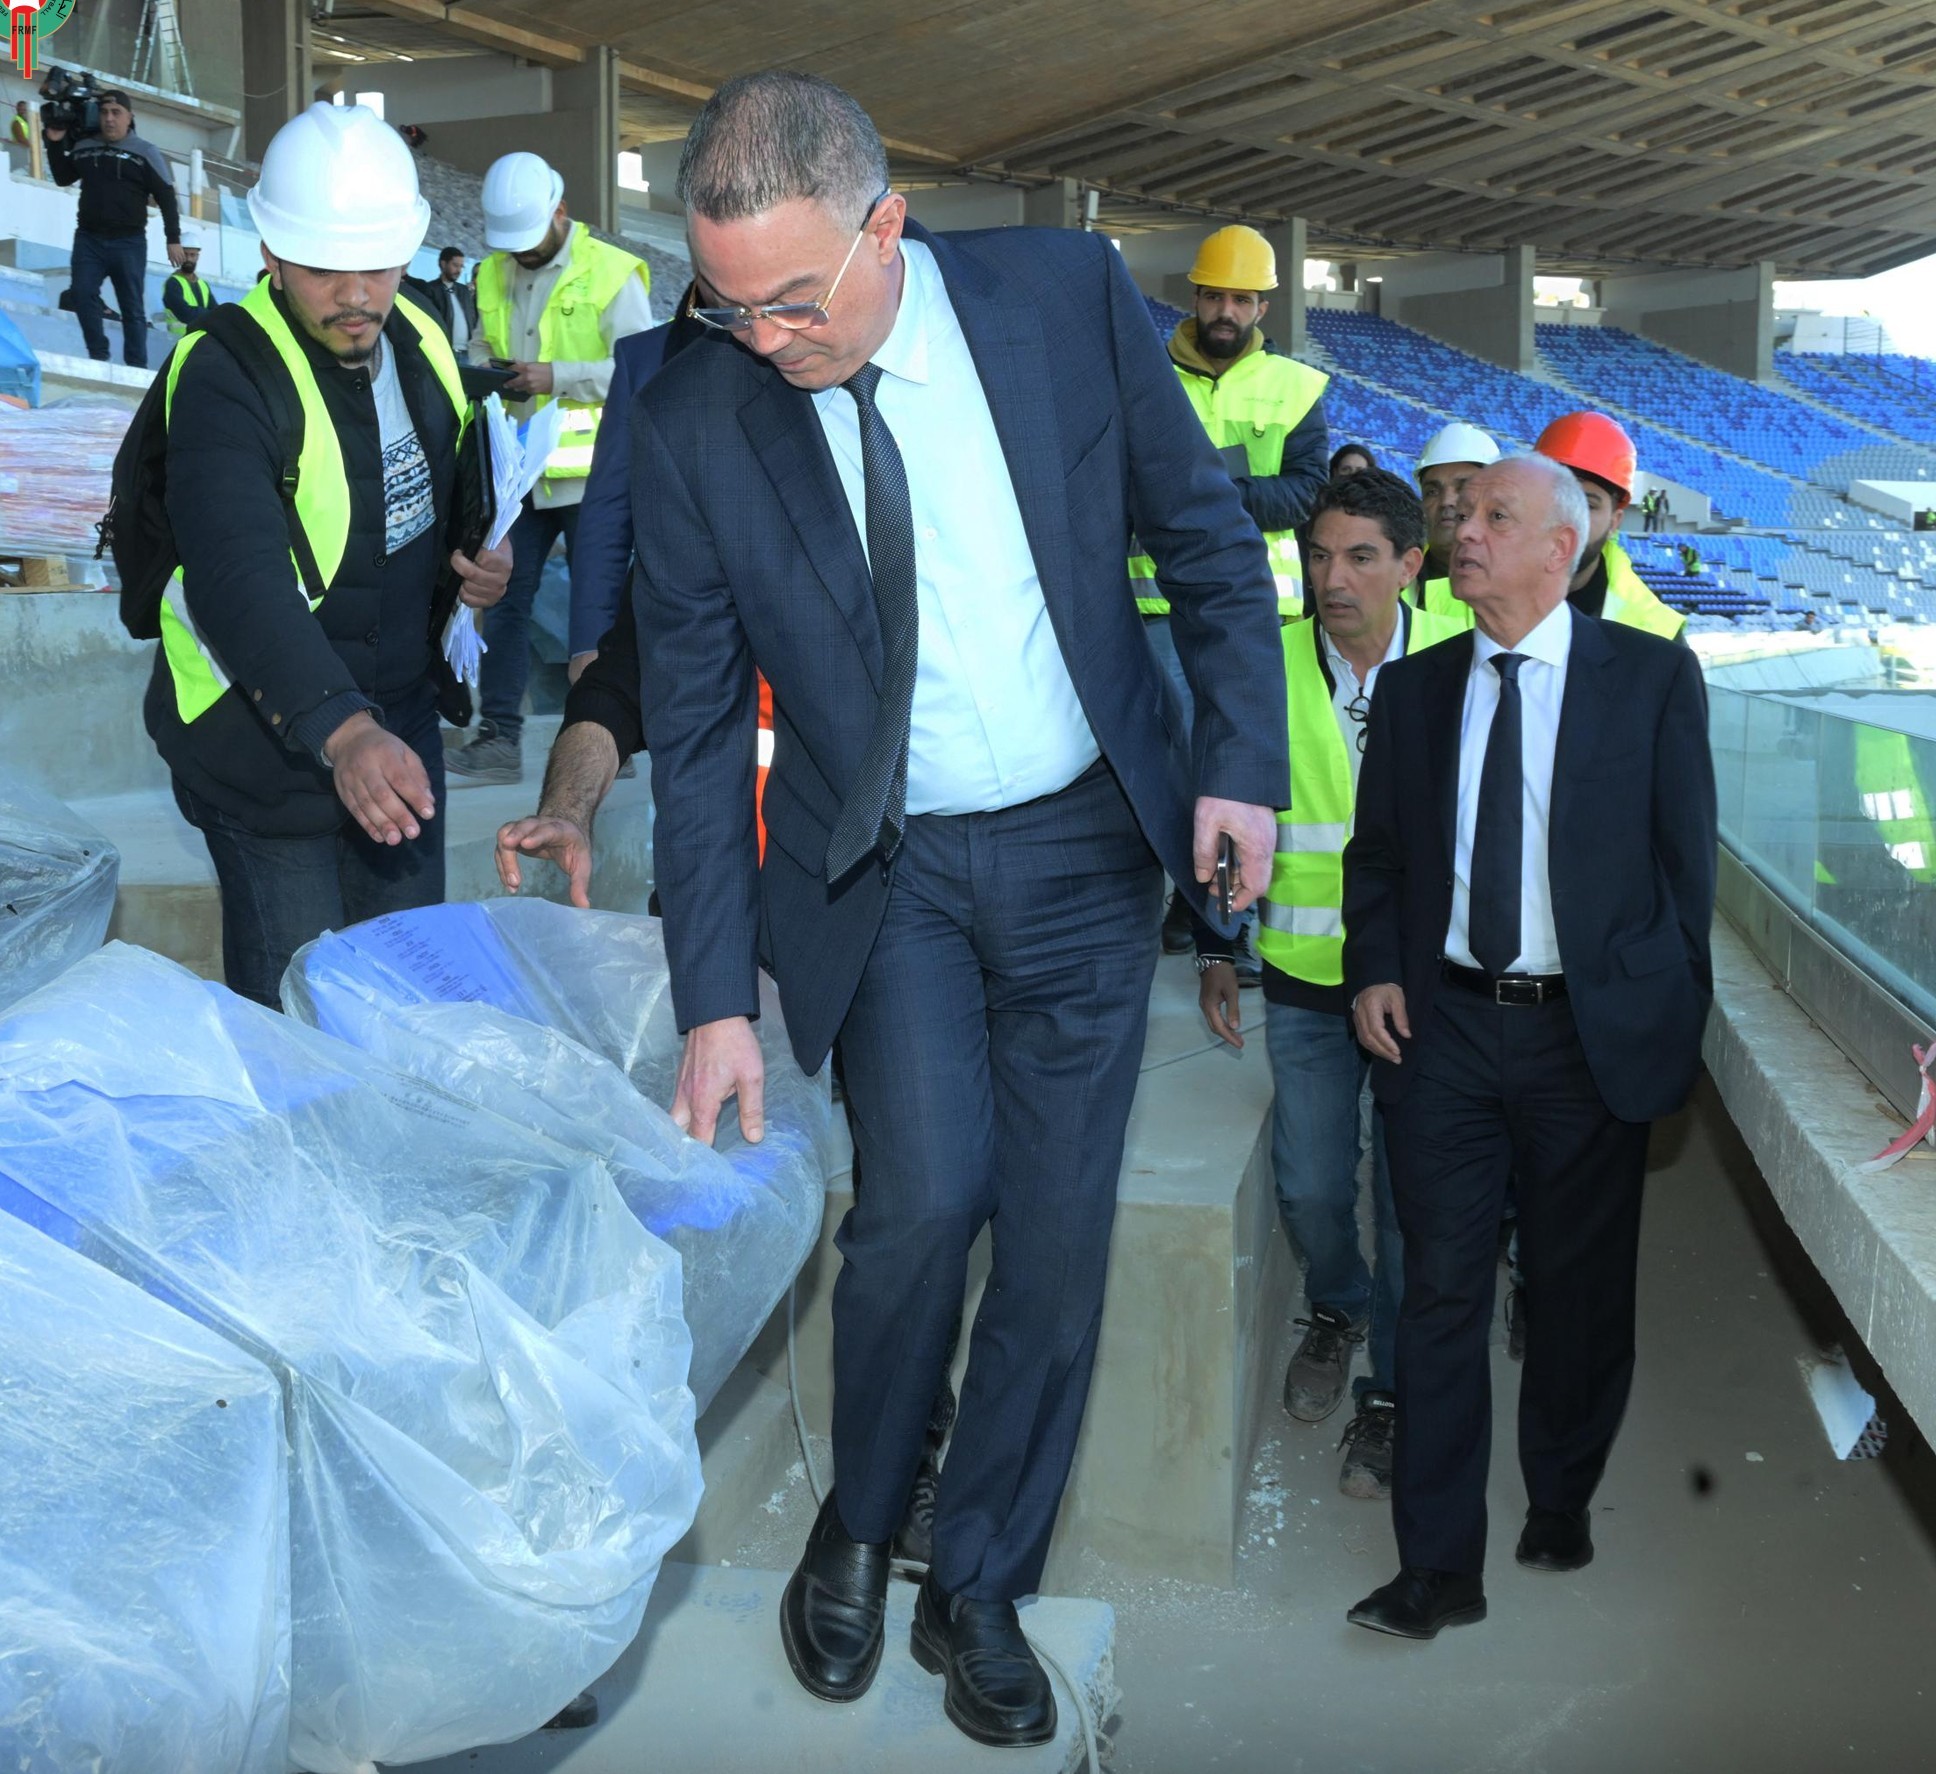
[1592, 444]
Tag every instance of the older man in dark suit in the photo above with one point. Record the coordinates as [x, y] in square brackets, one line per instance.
[900, 480]
[1528, 893]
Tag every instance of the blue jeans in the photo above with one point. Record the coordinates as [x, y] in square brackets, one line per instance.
[123, 259]
[1319, 1070]
[279, 893]
[507, 623]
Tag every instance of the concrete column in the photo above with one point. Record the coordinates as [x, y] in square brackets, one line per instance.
[1479, 302]
[1724, 318]
[276, 73]
[1285, 325]
[1054, 205]
[577, 135]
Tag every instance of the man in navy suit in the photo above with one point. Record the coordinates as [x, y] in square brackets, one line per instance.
[1528, 893]
[899, 479]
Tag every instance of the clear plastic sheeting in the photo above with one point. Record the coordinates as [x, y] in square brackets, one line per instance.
[562, 1020]
[57, 881]
[144, 1531]
[483, 1354]
[55, 464]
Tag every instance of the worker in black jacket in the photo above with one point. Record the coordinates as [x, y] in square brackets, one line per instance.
[120, 173]
[302, 731]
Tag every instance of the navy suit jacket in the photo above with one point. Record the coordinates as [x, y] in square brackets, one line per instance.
[1630, 855]
[749, 557]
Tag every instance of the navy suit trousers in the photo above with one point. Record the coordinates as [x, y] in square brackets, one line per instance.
[1503, 1095]
[990, 1059]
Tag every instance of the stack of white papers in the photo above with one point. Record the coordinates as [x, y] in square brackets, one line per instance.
[518, 455]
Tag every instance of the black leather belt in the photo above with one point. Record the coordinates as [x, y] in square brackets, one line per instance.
[1507, 988]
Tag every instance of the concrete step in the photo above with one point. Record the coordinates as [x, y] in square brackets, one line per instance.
[705, 1689]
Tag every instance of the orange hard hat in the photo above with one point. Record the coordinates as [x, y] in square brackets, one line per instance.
[1591, 443]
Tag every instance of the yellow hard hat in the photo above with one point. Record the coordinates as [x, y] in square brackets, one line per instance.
[1235, 258]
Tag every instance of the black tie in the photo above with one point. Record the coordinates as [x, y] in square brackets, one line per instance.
[1498, 836]
[876, 809]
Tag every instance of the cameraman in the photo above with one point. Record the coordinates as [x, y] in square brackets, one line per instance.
[118, 173]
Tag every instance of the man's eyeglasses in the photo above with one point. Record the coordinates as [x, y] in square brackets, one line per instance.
[796, 317]
[1359, 709]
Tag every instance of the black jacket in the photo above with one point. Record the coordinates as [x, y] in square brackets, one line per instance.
[437, 296]
[1630, 855]
[296, 676]
[117, 180]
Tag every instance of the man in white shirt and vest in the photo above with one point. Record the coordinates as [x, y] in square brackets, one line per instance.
[1264, 413]
[1365, 540]
[1528, 893]
[552, 300]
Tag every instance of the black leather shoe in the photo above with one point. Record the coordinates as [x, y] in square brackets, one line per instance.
[998, 1693]
[1555, 1540]
[1179, 926]
[831, 1613]
[1417, 1602]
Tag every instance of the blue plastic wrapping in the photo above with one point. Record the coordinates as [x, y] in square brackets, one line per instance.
[57, 882]
[482, 1353]
[144, 1531]
[562, 1020]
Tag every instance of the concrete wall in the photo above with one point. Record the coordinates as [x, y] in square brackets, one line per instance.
[578, 136]
[1724, 318]
[1479, 302]
[1898, 499]
[967, 206]
[276, 73]
[456, 89]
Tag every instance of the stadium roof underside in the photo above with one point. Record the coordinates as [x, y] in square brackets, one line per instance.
[1605, 133]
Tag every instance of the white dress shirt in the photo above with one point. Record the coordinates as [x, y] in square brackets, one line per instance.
[630, 311]
[996, 718]
[1346, 689]
[1542, 688]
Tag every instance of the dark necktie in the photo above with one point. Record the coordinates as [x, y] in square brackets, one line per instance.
[1498, 835]
[876, 808]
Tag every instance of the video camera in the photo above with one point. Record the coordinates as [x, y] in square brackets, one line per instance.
[72, 102]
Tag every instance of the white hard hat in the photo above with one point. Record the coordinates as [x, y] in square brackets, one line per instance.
[1458, 442]
[338, 192]
[520, 194]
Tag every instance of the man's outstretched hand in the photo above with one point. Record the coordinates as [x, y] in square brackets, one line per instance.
[562, 841]
[722, 1060]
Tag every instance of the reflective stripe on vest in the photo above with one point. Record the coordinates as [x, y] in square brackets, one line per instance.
[1630, 600]
[322, 487]
[1256, 403]
[568, 332]
[194, 292]
[1301, 917]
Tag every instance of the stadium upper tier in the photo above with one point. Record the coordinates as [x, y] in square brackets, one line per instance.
[1894, 394]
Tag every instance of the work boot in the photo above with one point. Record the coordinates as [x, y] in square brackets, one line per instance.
[1179, 925]
[489, 758]
[1250, 970]
[1314, 1383]
[1367, 1470]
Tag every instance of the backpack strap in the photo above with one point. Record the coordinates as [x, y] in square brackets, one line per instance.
[246, 342]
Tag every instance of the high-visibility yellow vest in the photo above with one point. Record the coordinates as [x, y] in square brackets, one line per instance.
[1438, 599]
[1630, 600]
[322, 486]
[194, 292]
[1890, 789]
[568, 332]
[1300, 921]
[1255, 404]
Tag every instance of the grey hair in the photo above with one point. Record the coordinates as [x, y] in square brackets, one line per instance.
[765, 139]
[1567, 508]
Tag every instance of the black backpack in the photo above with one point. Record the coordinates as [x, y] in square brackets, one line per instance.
[136, 525]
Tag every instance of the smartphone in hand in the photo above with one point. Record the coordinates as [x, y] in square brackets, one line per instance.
[1224, 882]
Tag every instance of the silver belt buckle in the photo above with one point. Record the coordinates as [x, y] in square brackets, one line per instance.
[1518, 991]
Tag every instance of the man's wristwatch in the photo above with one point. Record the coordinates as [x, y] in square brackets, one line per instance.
[1206, 962]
